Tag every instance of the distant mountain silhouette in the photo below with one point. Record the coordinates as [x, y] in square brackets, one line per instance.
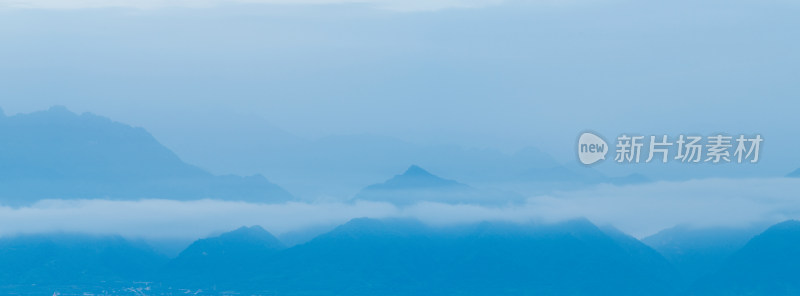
[417, 185]
[697, 252]
[766, 265]
[416, 177]
[573, 177]
[630, 179]
[562, 174]
[76, 259]
[223, 258]
[405, 257]
[337, 165]
[794, 174]
[59, 154]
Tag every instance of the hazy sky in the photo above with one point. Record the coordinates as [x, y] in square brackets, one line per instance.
[474, 73]
[501, 74]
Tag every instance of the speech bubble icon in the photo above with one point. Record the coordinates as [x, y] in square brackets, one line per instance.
[591, 148]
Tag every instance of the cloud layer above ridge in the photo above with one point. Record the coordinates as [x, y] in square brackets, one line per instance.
[639, 210]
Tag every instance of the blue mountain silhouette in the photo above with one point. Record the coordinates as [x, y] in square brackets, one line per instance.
[406, 257]
[74, 259]
[223, 258]
[766, 265]
[417, 185]
[59, 154]
[697, 252]
[417, 177]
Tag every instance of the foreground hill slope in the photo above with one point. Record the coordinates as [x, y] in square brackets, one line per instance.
[766, 265]
[698, 252]
[223, 258]
[75, 259]
[406, 257]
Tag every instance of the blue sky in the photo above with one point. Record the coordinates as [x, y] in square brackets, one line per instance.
[486, 74]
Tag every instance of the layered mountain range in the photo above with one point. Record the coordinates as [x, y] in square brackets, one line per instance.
[407, 257]
[58, 154]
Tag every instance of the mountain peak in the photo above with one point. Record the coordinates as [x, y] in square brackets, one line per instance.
[254, 231]
[415, 170]
[788, 225]
[56, 112]
[253, 236]
[417, 185]
[213, 259]
[91, 156]
[59, 108]
[371, 227]
[416, 177]
[243, 238]
[769, 260]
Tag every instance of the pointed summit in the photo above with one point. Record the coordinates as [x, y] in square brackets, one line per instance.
[220, 258]
[414, 185]
[478, 259]
[415, 170]
[57, 113]
[253, 234]
[416, 177]
[417, 185]
[250, 238]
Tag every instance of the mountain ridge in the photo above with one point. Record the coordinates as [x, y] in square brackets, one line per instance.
[59, 154]
[418, 185]
[766, 265]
